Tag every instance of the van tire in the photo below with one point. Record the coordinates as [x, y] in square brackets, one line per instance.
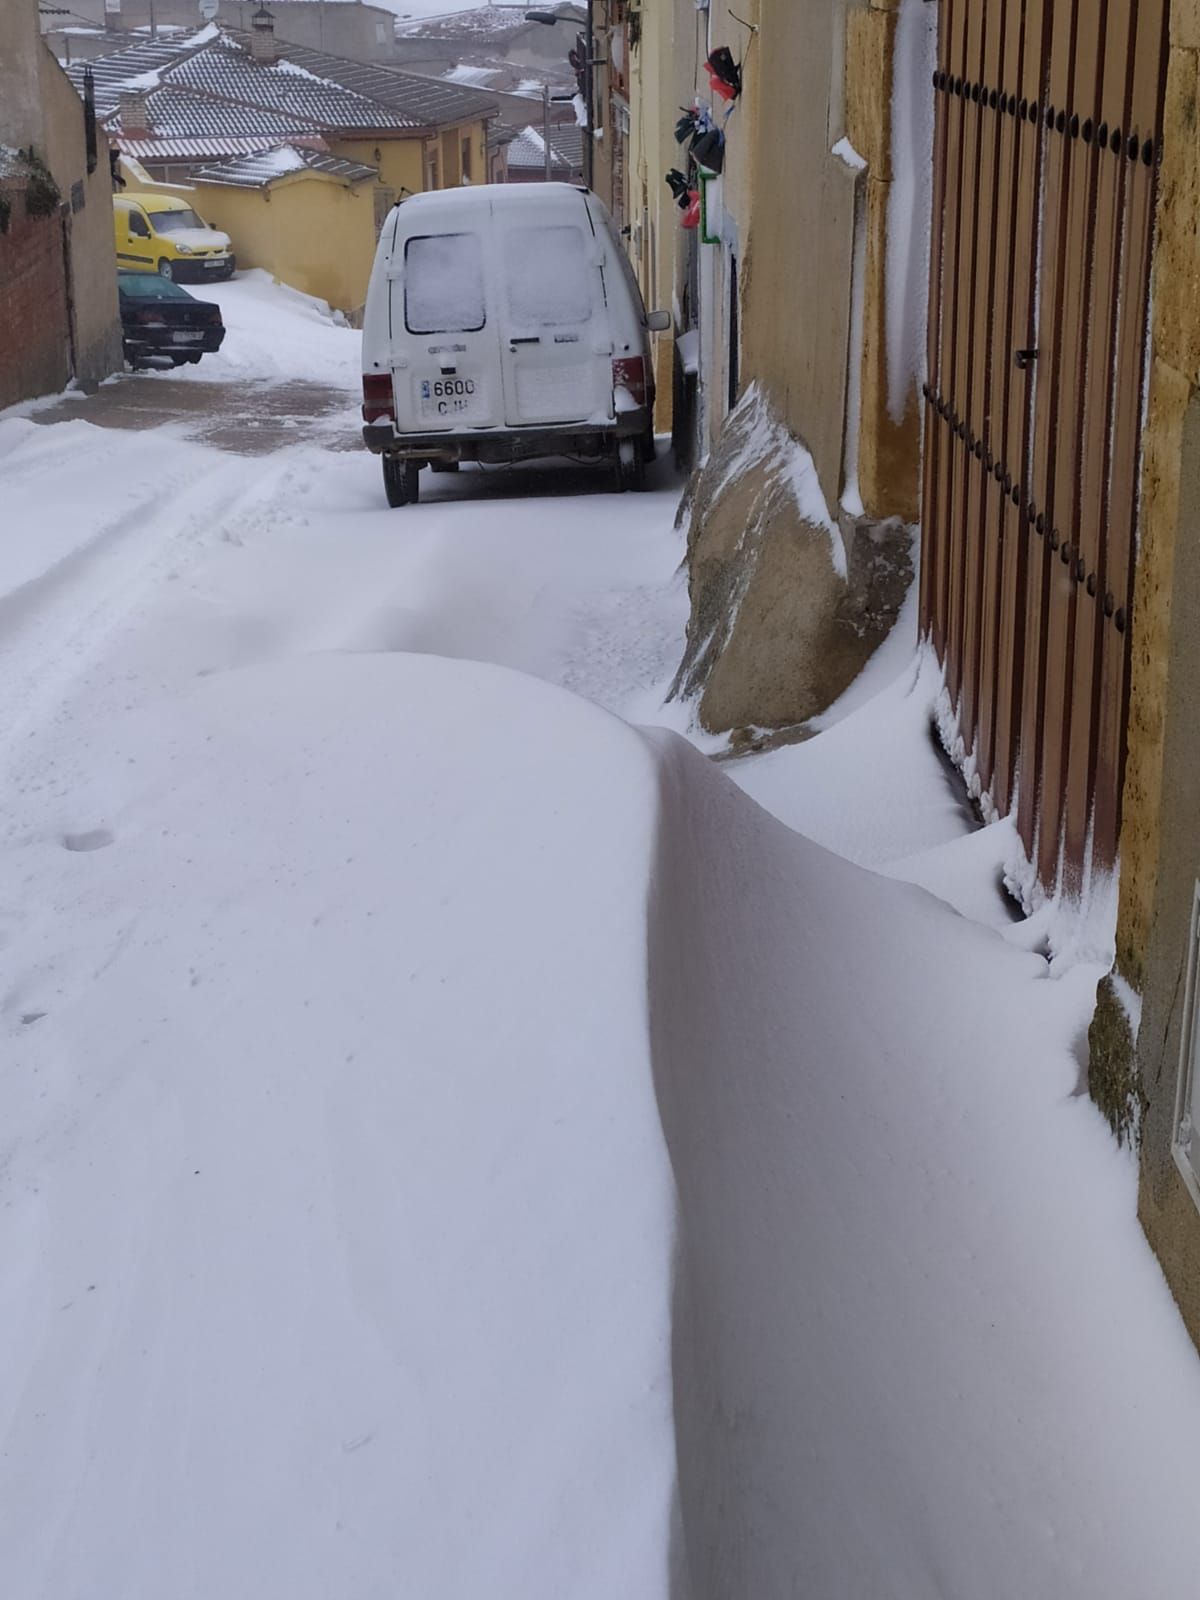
[631, 466]
[166, 270]
[401, 481]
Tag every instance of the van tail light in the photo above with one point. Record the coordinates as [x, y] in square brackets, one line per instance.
[629, 374]
[378, 401]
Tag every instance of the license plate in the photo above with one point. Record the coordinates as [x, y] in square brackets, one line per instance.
[449, 399]
[216, 261]
[188, 338]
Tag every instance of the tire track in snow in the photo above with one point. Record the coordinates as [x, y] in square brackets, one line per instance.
[55, 623]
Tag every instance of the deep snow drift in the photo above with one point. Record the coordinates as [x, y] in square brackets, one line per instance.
[336, 1215]
[340, 961]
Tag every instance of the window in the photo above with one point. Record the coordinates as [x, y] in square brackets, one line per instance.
[138, 225]
[385, 199]
[549, 280]
[149, 286]
[381, 33]
[466, 161]
[443, 284]
[176, 221]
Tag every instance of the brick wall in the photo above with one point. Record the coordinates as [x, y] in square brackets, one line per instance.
[34, 339]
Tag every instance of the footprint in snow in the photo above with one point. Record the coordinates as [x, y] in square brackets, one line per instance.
[93, 839]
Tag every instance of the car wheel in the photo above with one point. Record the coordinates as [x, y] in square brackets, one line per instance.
[631, 466]
[166, 269]
[401, 481]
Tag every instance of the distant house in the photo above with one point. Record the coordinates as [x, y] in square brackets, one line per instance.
[304, 216]
[299, 155]
[497, 30]
[177, 105]
[349, 28]
[527, 156]
[58, 298]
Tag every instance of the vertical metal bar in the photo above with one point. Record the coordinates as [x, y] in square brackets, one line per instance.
[948, 362]
[996, 656]
[1019, 411]
[1096, 426]
[962, 535]
[979, 609]
[1063, 491]
[933, 442]
[1055, 186]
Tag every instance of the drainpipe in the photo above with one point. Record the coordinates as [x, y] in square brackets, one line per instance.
[546, 128]
[589, 94]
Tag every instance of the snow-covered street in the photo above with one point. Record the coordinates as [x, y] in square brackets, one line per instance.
[451, 1128]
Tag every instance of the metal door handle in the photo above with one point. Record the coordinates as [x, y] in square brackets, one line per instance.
[532, 339]
[1024, 358]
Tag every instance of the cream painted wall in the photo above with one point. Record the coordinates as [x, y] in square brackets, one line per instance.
[93, 252]
[398, 160]
[308, 230]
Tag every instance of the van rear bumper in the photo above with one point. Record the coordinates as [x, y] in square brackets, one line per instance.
[496, 446]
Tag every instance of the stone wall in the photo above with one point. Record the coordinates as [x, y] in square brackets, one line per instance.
[1160, 830]
[34, 335]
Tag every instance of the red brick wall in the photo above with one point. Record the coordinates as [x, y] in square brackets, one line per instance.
[34, 340]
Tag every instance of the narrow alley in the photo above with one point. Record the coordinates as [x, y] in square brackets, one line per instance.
[455, 1127]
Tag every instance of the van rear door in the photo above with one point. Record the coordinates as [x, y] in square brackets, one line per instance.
[446, 373]
[556, 347]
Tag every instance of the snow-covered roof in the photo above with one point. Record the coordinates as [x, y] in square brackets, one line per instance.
[261, 170]
[483, 22]
[527, 152]
[477, 77]
[200, 149]
[182, 114]
[475, 67]
[209, 83]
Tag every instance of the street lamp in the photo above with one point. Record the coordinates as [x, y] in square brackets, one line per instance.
[549, 18]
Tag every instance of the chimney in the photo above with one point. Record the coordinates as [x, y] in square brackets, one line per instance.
[134, 107]
[263, 48]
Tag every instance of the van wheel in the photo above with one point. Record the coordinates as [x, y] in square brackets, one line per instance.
[166, 270]
[401, 481]
[631, 466]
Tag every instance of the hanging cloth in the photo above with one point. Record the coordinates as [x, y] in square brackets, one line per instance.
[724, 74]
[679, 187]
[709, 150]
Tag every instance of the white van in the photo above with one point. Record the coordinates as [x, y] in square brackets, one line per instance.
[503, 322]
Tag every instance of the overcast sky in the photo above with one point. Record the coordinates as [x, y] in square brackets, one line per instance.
[427, 8]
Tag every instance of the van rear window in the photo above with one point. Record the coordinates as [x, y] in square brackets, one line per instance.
[443, 284]
[549, 282]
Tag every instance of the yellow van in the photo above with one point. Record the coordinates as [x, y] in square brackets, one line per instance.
[158, 233]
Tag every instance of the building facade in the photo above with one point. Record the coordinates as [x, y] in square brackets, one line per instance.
[58, 298]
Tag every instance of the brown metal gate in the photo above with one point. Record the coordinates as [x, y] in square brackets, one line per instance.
[1045, 160]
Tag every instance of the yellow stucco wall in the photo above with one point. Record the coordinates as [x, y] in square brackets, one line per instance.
[310, 231]
[399, 161]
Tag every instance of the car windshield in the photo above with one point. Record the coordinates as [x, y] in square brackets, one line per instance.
[175, 221]
[149, 286]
